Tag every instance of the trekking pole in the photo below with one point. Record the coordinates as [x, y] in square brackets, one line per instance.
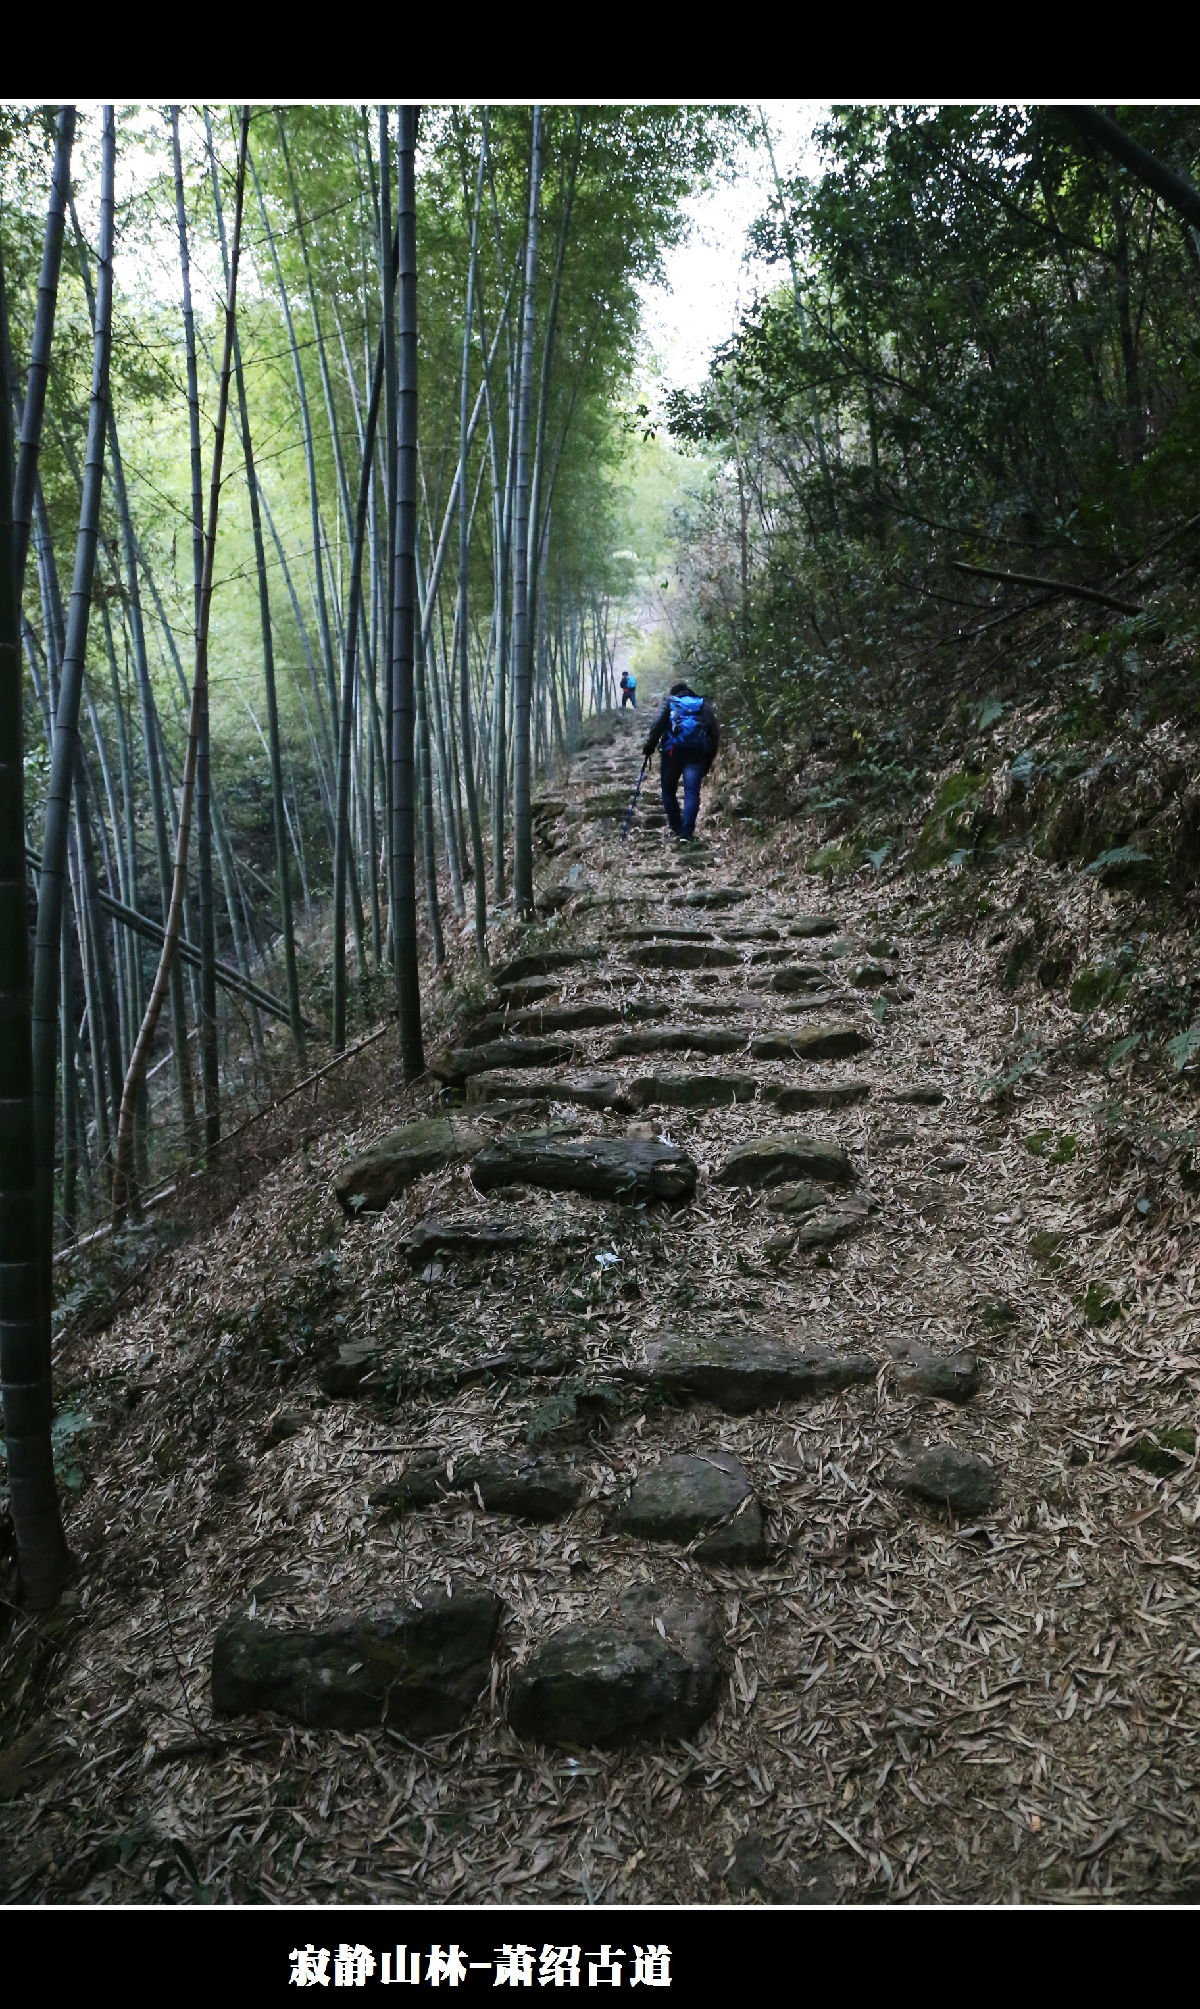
[625, 827]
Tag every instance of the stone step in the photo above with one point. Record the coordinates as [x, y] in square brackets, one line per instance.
[486, 1236]
[684, 956]
[752, 935]
[774, 1161]
[832, 1041]
[611, 1168]
[800, 977]
[542, 962]
[950, 1377]
[946, 1476]
[455, 1065]
[791, 1097]
[691, 1091]
[368, 1183]
[682, 1039]
[564, 1018]
[687, 1497]
[418, 1670]
[534, 1488]
[661, 935]
[775, 955]
[810, 926]
[716, 896]
[927, 1095]
[741, 1372]
[649, 1670]
[587, 1091]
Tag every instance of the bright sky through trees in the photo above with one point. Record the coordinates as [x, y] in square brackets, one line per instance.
[710, 280]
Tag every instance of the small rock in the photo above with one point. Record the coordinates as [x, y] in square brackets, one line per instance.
[284, 1424]
[825, 1230]
[961, 1480]
[612, 1168]
[692, 1091]
[456, 1064]
[869, 976]
[790, 1098]
[354, 1363]
[685, 1496]
[419, 1669]
[929, 1095]
[622, 1678]
[575, 1414]
[773, 1161]
[741, 1372]
[832, 1041]
[950, 1377]
[368, 1183]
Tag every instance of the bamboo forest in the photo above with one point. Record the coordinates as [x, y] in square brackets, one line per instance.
[565, 1342]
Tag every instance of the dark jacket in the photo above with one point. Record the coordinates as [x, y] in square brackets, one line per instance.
[662, 723]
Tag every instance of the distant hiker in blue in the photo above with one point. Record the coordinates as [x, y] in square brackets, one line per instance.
[628, 690]
[686, 729]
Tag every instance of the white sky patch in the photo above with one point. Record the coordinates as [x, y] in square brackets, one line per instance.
[711, 279]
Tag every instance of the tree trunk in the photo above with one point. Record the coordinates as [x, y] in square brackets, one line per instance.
[42, 1556]
[43, 332]
[66, 738]
[174, 919]
[405, 611]
[522, 660]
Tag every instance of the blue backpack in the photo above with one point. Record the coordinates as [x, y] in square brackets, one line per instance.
[686, 733]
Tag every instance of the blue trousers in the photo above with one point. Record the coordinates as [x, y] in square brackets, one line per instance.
[675, 769]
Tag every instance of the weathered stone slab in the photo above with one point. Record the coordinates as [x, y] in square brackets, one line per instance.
[952, 1377]
[564, 1018]
[419, 1669]
[456, 1064]
[661, 935]
[811, 926]
[751, 935]
[491, 1025]
[832, 1041]
[741, 1372]
[773, 1161]
[588, 1091]
[369, 1182]
[800, 977]
[692, 1091]
[798, 1200]
[541, 962]
[960, 1480]
[534, 1488]
[684, 956]
[682, 1039]
[716, 896]
[644, 1011]
[719, 1007]
[611, 1168]
[622, 1679]
[684, 1497]
[355, 1362]
[533, 991]
[777, 955]
[790, 1097]
[928, 1095]
[825, 1230]
[486, 1236]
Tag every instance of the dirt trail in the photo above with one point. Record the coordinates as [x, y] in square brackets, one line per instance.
[914, 1703]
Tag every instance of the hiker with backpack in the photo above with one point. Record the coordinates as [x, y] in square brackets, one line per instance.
[628, 690]
[686, 729]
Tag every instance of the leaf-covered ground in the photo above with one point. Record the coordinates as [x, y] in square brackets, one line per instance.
[915, 1709]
